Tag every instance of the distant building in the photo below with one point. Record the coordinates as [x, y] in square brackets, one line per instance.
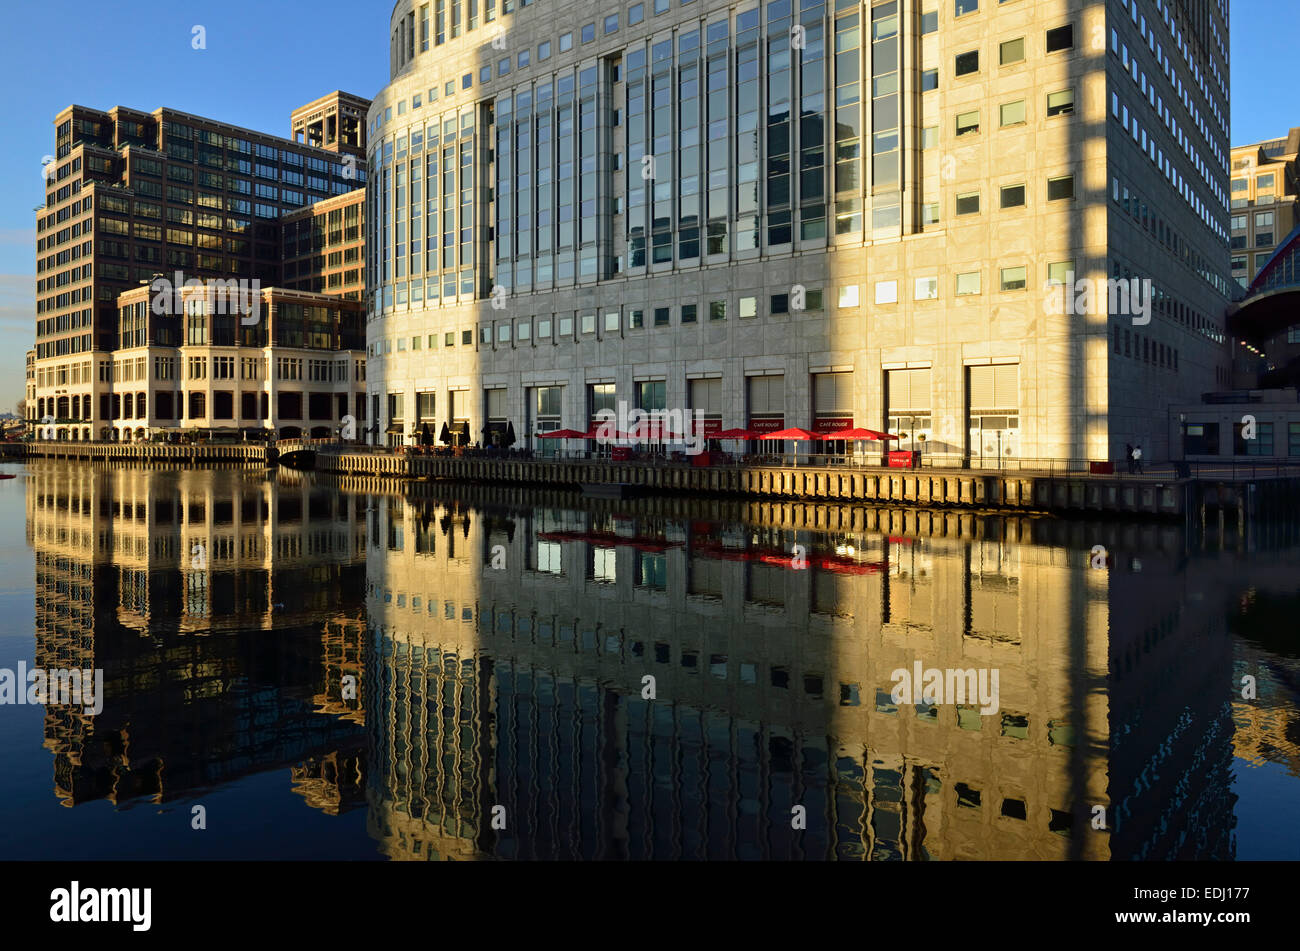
[132, 196]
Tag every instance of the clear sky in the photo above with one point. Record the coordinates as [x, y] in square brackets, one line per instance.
[140, 55]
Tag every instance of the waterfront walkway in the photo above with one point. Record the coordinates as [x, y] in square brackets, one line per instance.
[1032, 486]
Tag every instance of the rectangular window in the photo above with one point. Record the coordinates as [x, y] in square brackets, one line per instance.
[968, 122]
[968, 203]
[717, 310]
[848, 296]
[927, 288]
[1060, 103]
[1060, 188]
[1013, 113]
[967, 63]
[962, 7]
[689, 312]
[968, 283]
[1012, 51]
[1015, 278]
[887, 292]
[1061, 38]
[1059, 272]
[1013, 196]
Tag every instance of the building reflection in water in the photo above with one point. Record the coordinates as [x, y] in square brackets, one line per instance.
[447, 662]
[201, 595]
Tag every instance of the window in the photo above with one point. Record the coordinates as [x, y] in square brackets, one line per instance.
[717, 310]
[1012, 51]
[962, 7]
[566, 42]
[467, 81]
[1060, 103]
[968, 122]
[1013, 196]
[1061, 38]
[611, 321]
[1013, 113]
[968, 63]
[544, 50]
[849, 296]
[1015, 278]
[930, 137]
[927, 288]
[589, 33]
[588, 323]
[930, 22]
[968, 283]
[1060, 271]
[968, 203]
[887, 292]
[635, 14]
[611, 24]
[748, 307]
[779, 304]
[930, 213]
[929, 80]
[689, 312]
[1060, 188]
[662, 316]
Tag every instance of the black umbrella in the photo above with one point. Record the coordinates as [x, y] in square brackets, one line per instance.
[510, 434]
[426, 437]
[445, 436]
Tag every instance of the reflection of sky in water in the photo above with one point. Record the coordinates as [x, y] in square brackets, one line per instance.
[1265, 795]
[522, 686]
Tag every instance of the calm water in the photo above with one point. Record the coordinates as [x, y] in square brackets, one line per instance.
[463, 673]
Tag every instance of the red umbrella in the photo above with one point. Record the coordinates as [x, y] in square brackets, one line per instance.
[734, 434]
[858, 433]
[562, 434]
[794, 433]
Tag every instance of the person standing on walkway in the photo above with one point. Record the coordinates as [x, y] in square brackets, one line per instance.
[1128, 456]
[1137, 458]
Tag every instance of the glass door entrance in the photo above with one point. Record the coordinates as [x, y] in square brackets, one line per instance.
[994, 440]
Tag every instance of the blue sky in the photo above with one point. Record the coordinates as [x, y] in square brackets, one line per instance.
[140, 55]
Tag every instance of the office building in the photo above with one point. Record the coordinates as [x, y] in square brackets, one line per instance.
[800, 213]
[131, 196]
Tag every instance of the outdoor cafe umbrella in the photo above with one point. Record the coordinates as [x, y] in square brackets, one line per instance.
[857, 434]
[444, 437]
[510, 434]
[426, 437]
[737, 434]
[796, 434]
[562, 434]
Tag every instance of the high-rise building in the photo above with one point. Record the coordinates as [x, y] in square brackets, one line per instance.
[132, 196]
[1265, 202]
[1265, 196]
[803, 213]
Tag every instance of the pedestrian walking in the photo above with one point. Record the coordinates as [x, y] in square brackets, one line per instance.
[1128, 456]
[1137, 458]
